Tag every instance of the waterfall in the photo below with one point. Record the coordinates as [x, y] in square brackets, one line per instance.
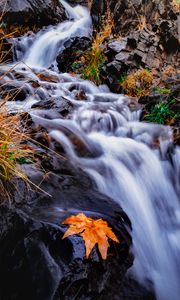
[47, 45]
[129, 160]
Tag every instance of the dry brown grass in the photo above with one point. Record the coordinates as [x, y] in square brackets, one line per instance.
[4, 47]
[95, 57]
[142, 22]
[13, 147]
[14, 135]
[138, 83]
[17, 30]
[176, 4]
[13, 138]
[3, 39]
[14, 152]
[11, 133]
[106, 30]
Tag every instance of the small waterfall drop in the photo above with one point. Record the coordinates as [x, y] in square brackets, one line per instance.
[129, 160]
[44, 50]
[129, 167]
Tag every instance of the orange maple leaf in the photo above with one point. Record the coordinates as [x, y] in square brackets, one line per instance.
[92, 231]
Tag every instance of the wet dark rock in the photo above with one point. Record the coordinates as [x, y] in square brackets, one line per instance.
[7, 49]
[35, 263]
[152, 98]
[15, 91]
[98, 9]
[131, 289]
[76, 46]
[76, 2]
[30, 12]
[80, 95]
[46, 76]
[176, 135]
[60, 106]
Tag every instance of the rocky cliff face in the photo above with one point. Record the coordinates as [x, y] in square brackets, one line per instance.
[135, 14]
[146, 33]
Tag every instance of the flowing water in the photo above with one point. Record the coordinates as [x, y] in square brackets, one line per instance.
[130, 161]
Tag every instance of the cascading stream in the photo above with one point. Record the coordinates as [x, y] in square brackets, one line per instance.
[53, 40]
[129, 159]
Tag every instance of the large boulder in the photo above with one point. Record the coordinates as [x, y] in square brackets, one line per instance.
[35, 263]
[32, 12]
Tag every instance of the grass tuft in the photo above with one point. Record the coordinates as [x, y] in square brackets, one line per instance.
[13, 146]
[137, 84]
[162, 90]
[162, 113]
[95, 58]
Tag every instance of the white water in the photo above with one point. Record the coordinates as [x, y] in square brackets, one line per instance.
[127, 162]
[45, 49]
